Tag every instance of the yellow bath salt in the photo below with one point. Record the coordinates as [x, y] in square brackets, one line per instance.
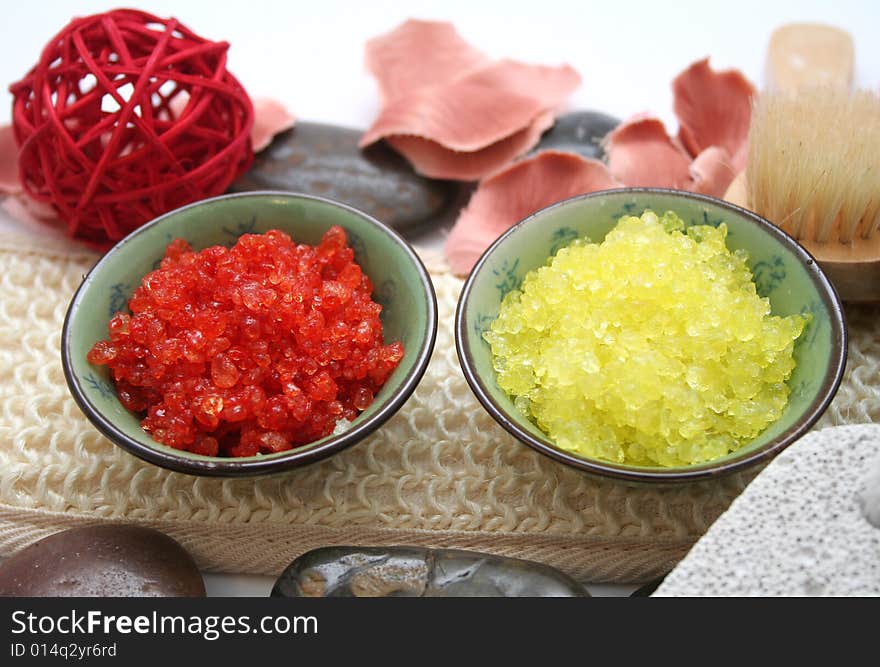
[649, 348]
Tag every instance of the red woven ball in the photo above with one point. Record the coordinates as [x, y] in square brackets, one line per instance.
[127, 116]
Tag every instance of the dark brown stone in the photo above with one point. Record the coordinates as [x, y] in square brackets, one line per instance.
[325, 160]
[102, 561]
[646, 590]
[419, 572]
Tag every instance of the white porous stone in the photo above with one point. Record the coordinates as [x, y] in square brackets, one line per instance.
[803, 527]
[869, 494]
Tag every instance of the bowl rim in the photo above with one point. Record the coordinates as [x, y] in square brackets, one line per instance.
[710, 470]
[229, 466]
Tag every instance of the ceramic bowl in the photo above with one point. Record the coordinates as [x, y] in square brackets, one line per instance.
[782, 270]
[402, 286]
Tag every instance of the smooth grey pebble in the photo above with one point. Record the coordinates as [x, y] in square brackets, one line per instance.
[325, 160]
[578, 132]
[419, 572]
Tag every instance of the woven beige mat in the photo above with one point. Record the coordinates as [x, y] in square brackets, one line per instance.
[440, 473]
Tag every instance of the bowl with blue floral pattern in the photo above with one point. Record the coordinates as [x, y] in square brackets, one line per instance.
[401, 285]
[782, 271]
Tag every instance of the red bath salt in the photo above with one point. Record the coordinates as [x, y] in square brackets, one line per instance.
[257, 348]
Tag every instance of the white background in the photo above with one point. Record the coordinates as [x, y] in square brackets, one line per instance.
[309, 55]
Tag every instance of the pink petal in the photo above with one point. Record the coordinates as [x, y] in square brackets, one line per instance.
[9, 181]
[270, 118]
[450, 110]
[508, 196]
[417, 54]
[712, 172]
[17, 205]
[641, 153]
[492, 114]
[714, 109]
[40, 219]
[476, 110]
[23, 208]
[34, 218]
[436, 161]
[549, 84]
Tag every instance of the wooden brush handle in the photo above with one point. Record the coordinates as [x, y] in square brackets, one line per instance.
[738, 191]
[801, 55]
[808, 54]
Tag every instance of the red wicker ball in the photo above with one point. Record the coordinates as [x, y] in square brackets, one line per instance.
[127, 116]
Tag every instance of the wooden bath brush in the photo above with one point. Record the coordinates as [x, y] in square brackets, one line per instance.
[814, 156]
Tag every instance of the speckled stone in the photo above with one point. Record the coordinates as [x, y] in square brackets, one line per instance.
[578, 132]
[869, 494]
[799, 528]
[102, 561]
[418, 572]
[325, 160]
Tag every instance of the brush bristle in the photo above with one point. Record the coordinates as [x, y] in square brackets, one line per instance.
[814, 163]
